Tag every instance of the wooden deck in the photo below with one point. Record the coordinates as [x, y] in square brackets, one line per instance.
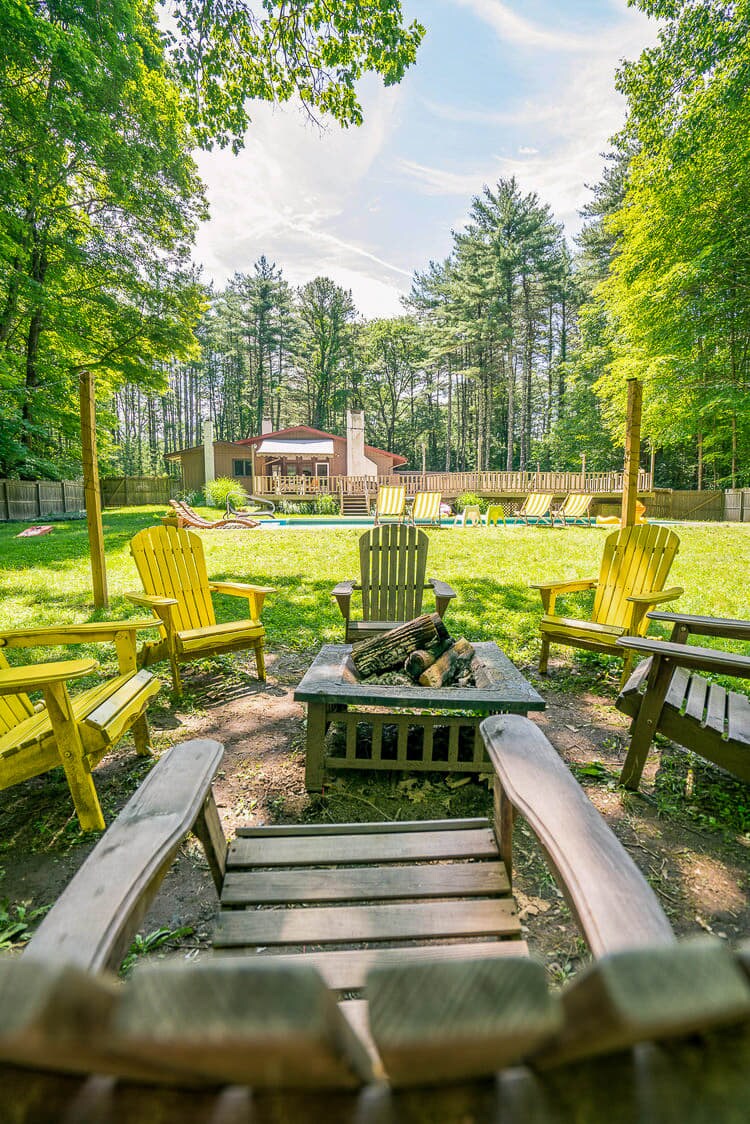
[496, 485]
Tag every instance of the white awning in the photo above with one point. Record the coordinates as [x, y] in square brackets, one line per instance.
[278, 446]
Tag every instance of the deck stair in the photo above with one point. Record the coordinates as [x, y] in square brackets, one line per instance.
[355, 504]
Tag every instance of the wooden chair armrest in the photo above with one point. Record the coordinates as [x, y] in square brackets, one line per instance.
[657, 598]
[444, 594]
[151, 600]
[575, 585]
[92, 923]
[255, 594]
[97, 632]
[550, 590]
[343, 594]
[33, 677]
[442, 589]
[706, 626]
[615, 906]
[689, 655]
[240, 589]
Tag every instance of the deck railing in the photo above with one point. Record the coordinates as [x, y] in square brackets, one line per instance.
[452, 484]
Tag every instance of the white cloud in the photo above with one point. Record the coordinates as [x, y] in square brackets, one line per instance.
[287, 194]
[339, 203]
[572, 127]
[512, 28]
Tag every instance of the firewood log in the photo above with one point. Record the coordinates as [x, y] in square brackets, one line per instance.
[416, 663]
[448, 666]
[383, 653]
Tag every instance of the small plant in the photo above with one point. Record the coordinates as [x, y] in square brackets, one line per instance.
[15, 922]
[222, 488]
[189, 497]
[326, 505]
[288, 507]
[142, 946]
[470, 499]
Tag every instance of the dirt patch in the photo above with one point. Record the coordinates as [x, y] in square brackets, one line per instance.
[688, 831]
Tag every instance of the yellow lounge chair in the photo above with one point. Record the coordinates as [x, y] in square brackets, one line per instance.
[172, 567]
[391, 503]
[426, 508]
[575, 510]
[537, 507]
[635, 566]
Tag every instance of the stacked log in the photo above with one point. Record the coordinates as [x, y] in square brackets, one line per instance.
[421, 649]
[389, 651]
[454, 662]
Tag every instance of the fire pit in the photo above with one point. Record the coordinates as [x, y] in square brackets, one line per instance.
[394, 726]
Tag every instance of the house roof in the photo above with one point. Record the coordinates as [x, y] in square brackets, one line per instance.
[307, 432]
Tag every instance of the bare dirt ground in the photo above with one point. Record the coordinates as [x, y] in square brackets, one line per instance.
[687, 831]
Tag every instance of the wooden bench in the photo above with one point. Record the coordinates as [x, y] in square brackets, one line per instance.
[667, 695]
[652, 1031]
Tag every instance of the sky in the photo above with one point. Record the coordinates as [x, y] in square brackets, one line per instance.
[500, 88]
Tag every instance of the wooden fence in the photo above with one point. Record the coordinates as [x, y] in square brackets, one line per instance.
[132, 491]
[33, 499]
[28, 500]
[669, 503]
[737, 505]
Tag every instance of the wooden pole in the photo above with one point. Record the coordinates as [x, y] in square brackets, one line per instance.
[91, 490]
[632, 452]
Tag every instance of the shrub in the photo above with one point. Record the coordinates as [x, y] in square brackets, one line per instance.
[290, 507]
[217, 491]
[192, 499]
[469, 499]
[326, 505]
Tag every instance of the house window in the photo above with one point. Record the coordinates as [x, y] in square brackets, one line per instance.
[322, 468]
[242, 468]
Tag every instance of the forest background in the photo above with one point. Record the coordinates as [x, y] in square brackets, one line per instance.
[511, 353]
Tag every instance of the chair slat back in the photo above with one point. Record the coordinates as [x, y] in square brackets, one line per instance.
[426, 505]
[393, 561]
[536, 505]
[13, 708]
[576, 506]
[391, 500]
[171, 563]
[636, 560]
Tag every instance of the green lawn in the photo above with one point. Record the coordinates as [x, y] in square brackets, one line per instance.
[47, 580]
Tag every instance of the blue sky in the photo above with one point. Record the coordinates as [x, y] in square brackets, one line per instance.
[500, 88]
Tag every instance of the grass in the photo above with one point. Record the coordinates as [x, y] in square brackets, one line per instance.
[46, 581]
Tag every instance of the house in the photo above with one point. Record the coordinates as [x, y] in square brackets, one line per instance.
[298, 450]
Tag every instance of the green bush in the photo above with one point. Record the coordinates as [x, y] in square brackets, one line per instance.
[301, 507]
[216, 492]
[469, 499]
[326, 505]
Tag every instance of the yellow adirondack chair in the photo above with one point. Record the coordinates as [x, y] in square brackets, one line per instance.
[72, 732]
[393, 563]
[391, 503]
[426, 508]
[575, 509]
[537, 507]
[634, 568]
[172, 567]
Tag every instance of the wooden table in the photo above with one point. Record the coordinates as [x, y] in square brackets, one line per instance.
[398, 727]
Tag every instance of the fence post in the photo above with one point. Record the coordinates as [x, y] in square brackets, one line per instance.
[91, 489]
